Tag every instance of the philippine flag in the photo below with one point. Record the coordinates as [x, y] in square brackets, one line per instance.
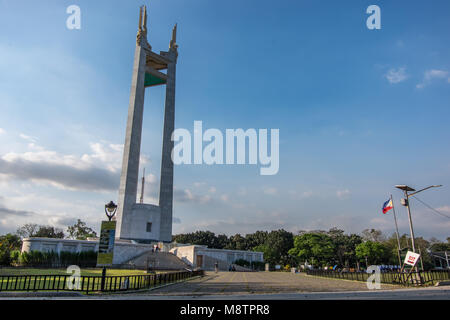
[387, 206]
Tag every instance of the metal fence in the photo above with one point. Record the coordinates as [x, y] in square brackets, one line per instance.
[415, 278]
[89, 284]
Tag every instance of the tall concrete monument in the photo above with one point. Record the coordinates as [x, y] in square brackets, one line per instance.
[138, 221]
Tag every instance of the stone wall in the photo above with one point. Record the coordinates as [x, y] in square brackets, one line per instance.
[224, 257]
[58, 245]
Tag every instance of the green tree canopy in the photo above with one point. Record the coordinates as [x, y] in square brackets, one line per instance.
[316, 248]
[80, 231]
[8, 243]
[370, 251]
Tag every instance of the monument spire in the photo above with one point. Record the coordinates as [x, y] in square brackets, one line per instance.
[135, 219]
[141, 38]
[173, 42]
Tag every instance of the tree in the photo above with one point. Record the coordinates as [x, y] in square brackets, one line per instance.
[280, 241]
[8, 243]
[205, 238]
[373, 235]
[372, 252]
[316, 248]
[237, 242]
[222, 241]
[440, 246]
[80, 231]
[27, 230]
[256, 239]
[344, 246]
[269, 253]
[33, 230]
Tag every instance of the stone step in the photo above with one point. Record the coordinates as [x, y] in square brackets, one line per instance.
[156, 261]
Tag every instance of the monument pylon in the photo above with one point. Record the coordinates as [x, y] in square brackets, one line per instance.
[139, 221]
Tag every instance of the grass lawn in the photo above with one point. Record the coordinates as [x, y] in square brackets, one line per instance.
[84, 272]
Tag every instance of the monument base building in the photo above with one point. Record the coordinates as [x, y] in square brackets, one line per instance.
[205, 258]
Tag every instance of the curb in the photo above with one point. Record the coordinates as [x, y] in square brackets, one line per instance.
[16, 294]
[442, 283]
[141, 290]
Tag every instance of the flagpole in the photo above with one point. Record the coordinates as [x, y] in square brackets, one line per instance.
[396, 229]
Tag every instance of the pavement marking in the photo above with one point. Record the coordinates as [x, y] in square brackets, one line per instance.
[229, 281]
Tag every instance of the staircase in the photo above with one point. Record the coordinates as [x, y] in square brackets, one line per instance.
[156, 261]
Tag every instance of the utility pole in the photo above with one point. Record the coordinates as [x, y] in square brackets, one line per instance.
[405, 202]
[398, 236]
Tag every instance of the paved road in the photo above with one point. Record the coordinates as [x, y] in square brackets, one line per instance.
[242, 283]
[273, 285]
[440, 293]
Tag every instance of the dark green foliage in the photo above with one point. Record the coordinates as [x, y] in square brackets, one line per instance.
[436, 247]
[321, 248]
[8, 243]
[39, 231]
[237, 242]
[242, 263]
[255, 265]
[52, 259]
[205, 238]
[317, 249]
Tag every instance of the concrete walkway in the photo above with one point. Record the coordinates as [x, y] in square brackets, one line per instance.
[272, 286]
[242, 283]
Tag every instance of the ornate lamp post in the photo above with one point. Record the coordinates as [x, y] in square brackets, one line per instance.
[110, 210]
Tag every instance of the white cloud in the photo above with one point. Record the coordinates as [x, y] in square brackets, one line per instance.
[431, 75]
[186, 195]
[199, 184]
[96, 171]
[28, 138]
[2, 131]
[343, 193]
[396, 75]
[212, 189]
[270, 191]
[242, 192]
[307, 194]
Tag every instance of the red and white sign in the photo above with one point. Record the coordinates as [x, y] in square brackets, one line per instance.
[412, 258]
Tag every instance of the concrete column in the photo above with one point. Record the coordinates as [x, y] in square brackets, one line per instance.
[166, 183]
[132, 147]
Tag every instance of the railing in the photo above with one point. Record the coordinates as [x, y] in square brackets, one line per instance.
[91, 284]
[404, 278]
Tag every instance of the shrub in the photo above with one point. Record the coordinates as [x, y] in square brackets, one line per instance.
[52, 259]
[15, 254]
[242, 263]
[258, 265]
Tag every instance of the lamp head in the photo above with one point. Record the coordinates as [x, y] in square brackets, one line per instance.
[110, 209]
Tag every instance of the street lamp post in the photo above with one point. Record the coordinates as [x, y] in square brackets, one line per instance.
[110, 211]
[405, 202]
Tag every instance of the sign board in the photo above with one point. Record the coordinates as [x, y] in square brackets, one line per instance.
[106, 245]
[277, 267]
[411, 258]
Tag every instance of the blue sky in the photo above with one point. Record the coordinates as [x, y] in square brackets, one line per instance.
[358, 110]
